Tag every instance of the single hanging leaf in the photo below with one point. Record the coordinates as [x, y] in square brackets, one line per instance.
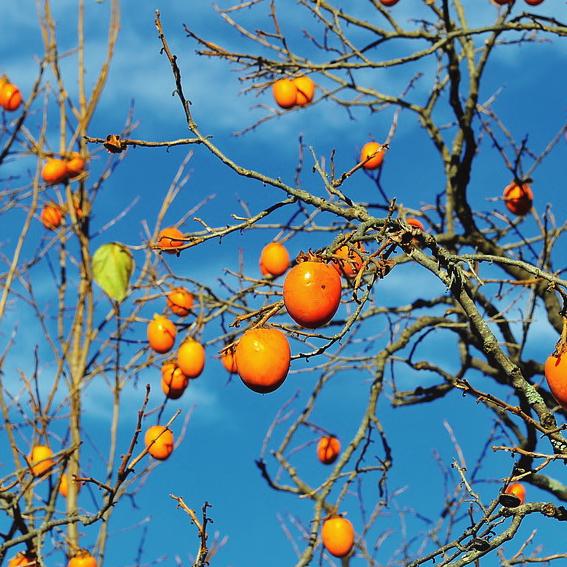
[113, 265]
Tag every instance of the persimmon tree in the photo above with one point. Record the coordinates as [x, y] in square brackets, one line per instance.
[474, 281]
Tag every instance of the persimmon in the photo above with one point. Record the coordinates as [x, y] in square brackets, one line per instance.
[312, 293]
[64, 486]
[159, 441]
[389, 2]
[180, 301]
[82, 558]
[328, 449]
[502, 2]
[51, 216]
[372, 149]
[75, 165]
[229, 360]
[555, 371]
[514, 495]
[161, 334]
[170, 239]
[54, 171]
[338, 536]
[173, 381]
[173, 376]
[415, 223]
[40, 459]
[23, 559]
[285, 93]
[518, 198]
[191, 358]
[349, 262]
[263, 358]
[10, 97]
[534, 2]
[305, 90]
[274, 259]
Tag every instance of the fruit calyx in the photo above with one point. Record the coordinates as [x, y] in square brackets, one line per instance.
[309, 256]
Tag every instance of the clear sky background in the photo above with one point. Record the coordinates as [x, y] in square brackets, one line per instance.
[215, 462]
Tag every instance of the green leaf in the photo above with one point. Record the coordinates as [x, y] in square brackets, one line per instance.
[113, 265]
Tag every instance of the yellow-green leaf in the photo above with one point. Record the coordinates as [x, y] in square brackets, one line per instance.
[113, 265]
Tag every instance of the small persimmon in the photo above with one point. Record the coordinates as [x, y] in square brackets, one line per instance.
[502, 2]
[312, 293]
[159, 441]
[285, 93]
[328, 449]
[191, 358]
[41, 460]
[274, 259]
[375, 150]
[555, 371]
[54, 171]
[51, 216]
[349, 262]
[75, 165]
[228, 359]
[170, 239]
[180, 301]
[514, 495]
[415, 223]
[338, 536]
[534, 2]
[518, 198]
[64, 486]
[82, 558]
[263, 358]
[10, 97]
[173, 381]
[161, 334]
[305, 90]
[389, 2]
[23, 559]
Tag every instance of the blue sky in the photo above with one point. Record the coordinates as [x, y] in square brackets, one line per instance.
[215, 462]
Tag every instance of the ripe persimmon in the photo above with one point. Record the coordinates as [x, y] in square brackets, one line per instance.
[54, 171]
[338, 536]
[229, 360]
[40, 459]
[389, 2]
[285, 93]
[312, 293]
[305, 90]
[274, 259]
[170, 239]
[372, 149]
[415, 223]
[534, 2]
[191, 358]
[23, 559]
[514, 495]
[75, 165]
[555, 371]
[173, 381]
[180, 301]
[348, 262]
[159, 441]
[10, 96]
[64, 486]
[518, 198]
[263, 358]
[51, 216]
[82, 558]
[328, 449]
[161, 334]
[502, 2]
